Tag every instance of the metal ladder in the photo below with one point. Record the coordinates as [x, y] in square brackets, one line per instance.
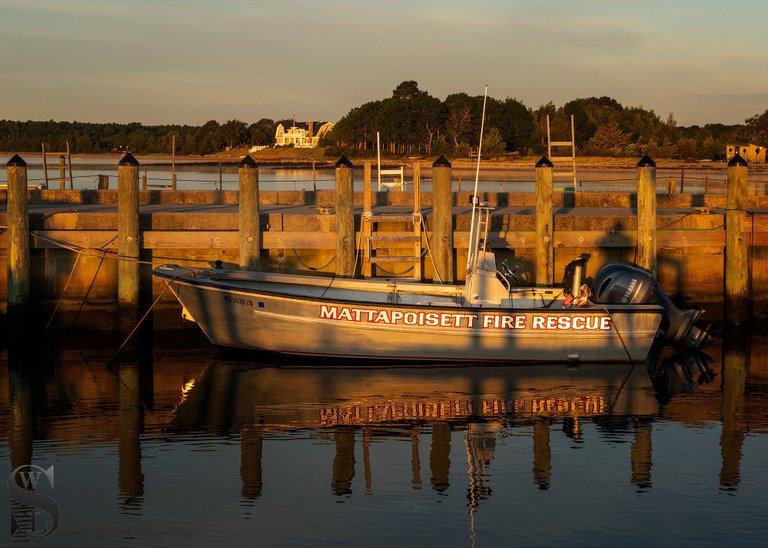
[393, 243]
[561, 160]
[64, 167]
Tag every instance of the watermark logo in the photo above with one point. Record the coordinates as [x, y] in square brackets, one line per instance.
[33, 514]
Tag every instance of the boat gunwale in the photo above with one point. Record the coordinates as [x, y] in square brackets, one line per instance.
[608, 309]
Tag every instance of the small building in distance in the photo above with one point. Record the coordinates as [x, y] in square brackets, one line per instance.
[301, 135]
[751, 153]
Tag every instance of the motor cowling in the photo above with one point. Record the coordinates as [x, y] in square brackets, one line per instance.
[624, 284]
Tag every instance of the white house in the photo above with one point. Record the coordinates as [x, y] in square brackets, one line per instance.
[301, 135]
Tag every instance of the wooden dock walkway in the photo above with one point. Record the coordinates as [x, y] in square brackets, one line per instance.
[73, 236]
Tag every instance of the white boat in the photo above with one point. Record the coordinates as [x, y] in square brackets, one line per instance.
[483, 320]
[486, 319]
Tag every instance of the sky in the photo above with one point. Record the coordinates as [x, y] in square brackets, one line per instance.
[190, 61]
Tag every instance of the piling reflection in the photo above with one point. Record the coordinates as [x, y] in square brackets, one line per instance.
[76, 392]
[736, 347]
[484, 403]
[458, 423]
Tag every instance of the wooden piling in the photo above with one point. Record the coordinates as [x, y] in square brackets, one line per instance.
[442, 221]
[345, 219]
[103, 182]
[18, 240]
[545, 251]
[737, 299]
[250, 229]
[45, 167]
[62, 172]
[173, 161]
[128, 244]
[646, 214]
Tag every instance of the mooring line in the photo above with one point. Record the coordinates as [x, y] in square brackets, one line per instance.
[144, 317]
[621, 339]
[63, 291]
[435, 270]
[69, 279]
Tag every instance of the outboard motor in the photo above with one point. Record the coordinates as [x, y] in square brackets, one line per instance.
[624, 284]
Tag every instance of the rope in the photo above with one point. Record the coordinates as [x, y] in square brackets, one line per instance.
[315, 269]
[621, 339]
[394, 273]
[69, 279]
[63, 291]
[435, 270]
[144, 317]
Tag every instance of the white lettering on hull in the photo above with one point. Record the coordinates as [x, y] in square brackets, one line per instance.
[538, 322]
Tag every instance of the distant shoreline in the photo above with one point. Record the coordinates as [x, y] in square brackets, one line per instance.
[305, 158]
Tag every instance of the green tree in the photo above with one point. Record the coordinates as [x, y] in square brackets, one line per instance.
[686, 148]
[757, 128]
[608, 140]
[233, 133]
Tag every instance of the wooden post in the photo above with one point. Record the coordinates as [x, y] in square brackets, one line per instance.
[18, 241]
[646, 214]
[737, 298]
[545, 251]
[221, 181]
[671, 187]
[442, 221]
[250, 229]
[144, 179]
[103, 182]
[69, 168]
[45, 168]
[62, 172]
[345, 219]
[173, 161]
[128, 244]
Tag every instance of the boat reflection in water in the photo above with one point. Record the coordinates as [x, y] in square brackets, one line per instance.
[139, 442]
[356, 405]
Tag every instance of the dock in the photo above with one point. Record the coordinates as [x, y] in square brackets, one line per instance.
[74, 239]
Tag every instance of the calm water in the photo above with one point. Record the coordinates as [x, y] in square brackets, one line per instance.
[174, 444]
[194, 176]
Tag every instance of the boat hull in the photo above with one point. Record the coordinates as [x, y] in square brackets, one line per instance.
[259, 316]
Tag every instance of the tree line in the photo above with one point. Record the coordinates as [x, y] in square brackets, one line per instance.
[85, 137]
[412, 122]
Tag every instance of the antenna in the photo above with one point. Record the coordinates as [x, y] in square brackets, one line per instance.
[473, 236]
